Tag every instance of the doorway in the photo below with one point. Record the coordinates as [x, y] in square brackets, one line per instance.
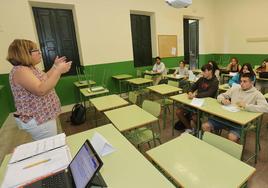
[56, 34]
[191, 42]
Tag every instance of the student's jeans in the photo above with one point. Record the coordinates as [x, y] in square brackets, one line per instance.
[38, 132]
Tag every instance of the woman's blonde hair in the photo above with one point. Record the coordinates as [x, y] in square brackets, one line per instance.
[19, 52]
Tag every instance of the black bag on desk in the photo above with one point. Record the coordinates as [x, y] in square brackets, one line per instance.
[78, 115]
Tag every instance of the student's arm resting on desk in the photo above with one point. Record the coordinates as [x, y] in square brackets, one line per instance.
[225, 97]
[261, 104]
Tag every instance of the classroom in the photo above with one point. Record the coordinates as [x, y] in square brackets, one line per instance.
[114, 48]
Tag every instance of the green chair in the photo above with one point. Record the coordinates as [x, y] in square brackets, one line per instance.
[223, 144]
[144, 135]
[173, 83]
[133, 97]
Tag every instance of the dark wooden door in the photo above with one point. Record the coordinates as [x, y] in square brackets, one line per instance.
[141, 40]
[56, 33]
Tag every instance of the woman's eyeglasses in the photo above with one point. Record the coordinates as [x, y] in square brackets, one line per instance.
[35, 50]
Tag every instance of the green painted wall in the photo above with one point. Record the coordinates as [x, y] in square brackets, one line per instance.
[4, 105]
[102, 74]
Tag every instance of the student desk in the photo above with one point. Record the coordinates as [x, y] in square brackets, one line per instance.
[130, 117]
[107, 103]
[84, 83]
[152, 73]
[242, 119]
[121, 78]
[139, 83]
[86, 94]
[223, 87]
[126, 167]
[176, 78]
[194, 163]
[263, 82]
[266, 96]
[164, 91]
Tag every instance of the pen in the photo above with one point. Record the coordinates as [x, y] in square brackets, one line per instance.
[36, 163]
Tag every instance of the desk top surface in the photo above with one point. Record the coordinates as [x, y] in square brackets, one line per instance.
[108, 102]
[122, 76]
[176, 77]
[212, 106]
[194, 163]
[129, 117]
[152, 73]
[139, 81]
[224, 87]
[164, 89]
[84, 83]
[86, 93]
[126, 167]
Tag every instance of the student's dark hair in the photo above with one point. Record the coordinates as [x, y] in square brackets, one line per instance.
[249, 68]
[266, 60]
[208, 67]
[182, 61]
[157, 58]
[235, 59]
[214, 64]
[247, 75]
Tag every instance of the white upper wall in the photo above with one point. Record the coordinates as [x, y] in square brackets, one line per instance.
[103, 27]
[104, 33]
[238, 20]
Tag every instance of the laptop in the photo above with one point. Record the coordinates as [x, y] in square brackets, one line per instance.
[83, 171]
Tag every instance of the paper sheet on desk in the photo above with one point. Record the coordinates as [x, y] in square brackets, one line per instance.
[231, 108]
[34, 148]
[30, 169]
[197, 102]
[101, 145]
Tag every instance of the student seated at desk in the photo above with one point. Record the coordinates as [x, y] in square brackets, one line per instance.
[182, 71]
[205, 86]
[246, 97]
[234, 66]
[263, 66]
[216, 68]
[159, 67]
[246, 68]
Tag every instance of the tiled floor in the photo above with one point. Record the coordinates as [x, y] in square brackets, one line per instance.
[11, 136]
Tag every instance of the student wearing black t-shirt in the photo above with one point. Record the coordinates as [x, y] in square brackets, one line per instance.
[205, 86]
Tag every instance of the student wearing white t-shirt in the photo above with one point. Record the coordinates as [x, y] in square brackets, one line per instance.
[159, 67]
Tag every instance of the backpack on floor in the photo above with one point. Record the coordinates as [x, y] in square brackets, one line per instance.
[78, 115]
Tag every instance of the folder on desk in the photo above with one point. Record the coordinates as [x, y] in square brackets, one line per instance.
[27, 150]
[32, 168]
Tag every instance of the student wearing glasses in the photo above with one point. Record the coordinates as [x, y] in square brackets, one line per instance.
[37, 104]
[246, 97]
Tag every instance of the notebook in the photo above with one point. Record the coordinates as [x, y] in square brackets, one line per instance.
[83, 171]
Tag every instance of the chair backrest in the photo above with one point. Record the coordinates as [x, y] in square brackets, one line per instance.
[148, 77]
[152, 107]
[223, 144]
[173, 83]
[138, 73]
[133, 97]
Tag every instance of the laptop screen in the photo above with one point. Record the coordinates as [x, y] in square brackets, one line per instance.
[84, 165]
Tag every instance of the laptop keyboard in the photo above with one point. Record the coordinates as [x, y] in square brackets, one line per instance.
[56, 181]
